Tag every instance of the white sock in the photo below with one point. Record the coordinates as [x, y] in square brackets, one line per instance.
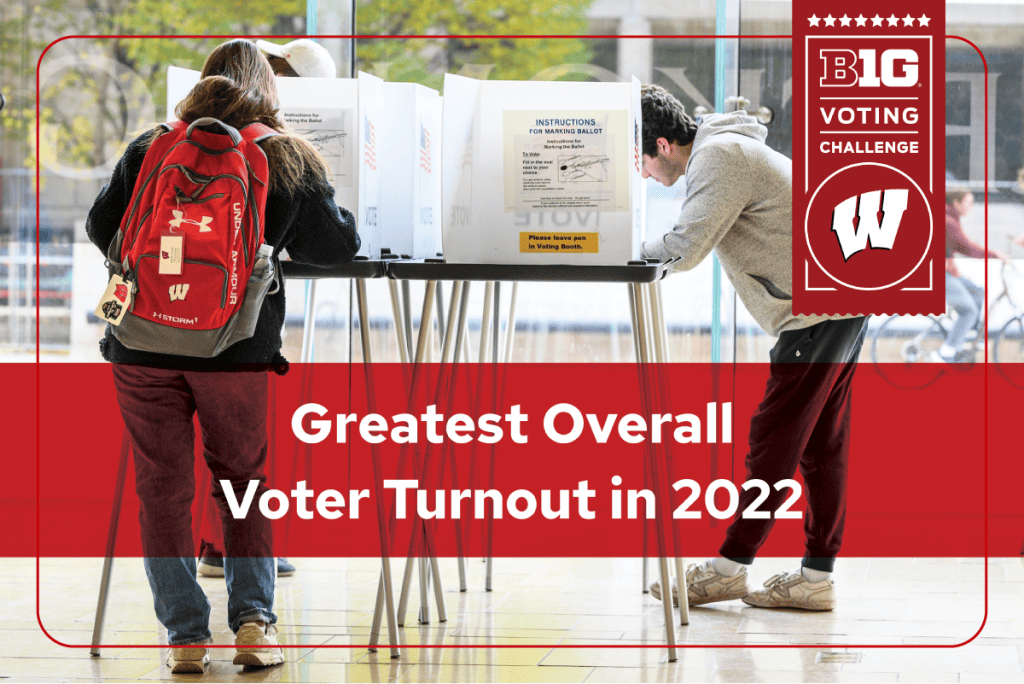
[812, 575]
[724, 566]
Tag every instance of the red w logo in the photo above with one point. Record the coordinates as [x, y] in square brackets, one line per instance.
[873, 216]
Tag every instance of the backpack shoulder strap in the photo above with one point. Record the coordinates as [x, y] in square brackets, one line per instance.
[170, 126]
[257, 132]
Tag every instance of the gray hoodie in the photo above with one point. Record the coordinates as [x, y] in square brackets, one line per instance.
[739, 203]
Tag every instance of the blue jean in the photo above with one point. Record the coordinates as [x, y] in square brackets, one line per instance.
[968, 300]
[182, 607]
[158, 406]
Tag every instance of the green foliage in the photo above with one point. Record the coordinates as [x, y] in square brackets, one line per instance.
[425, 60]
[95, 101]
[110, 78]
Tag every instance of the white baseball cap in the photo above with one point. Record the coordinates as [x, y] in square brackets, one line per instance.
[309, 59]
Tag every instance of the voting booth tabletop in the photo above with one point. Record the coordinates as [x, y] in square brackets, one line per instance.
[360, 268]
[633, 272]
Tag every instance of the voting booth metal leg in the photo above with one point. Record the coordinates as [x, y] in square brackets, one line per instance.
[485, 317]
[385, 590]
[495, 356]
[482, 354]
[429, 568]
[661, 356]
[641, 330]
[420, 354]
[407, 312]
[645, 579]
[309, 322]
[398, 316]
[451, 341]
[460, 347]
[448, 335]
[510, 327]
[108, 559]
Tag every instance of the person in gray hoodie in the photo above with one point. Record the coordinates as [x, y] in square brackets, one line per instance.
[739, 204]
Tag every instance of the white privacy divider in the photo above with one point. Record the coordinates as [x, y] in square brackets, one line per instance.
[411, 170]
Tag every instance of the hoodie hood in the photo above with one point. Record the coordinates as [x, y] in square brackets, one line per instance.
[739, 123]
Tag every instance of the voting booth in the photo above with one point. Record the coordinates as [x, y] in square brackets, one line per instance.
[540, 172]
[411, 170]
[341, 118]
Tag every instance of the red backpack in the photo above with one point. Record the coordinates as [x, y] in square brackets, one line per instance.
[189, 252]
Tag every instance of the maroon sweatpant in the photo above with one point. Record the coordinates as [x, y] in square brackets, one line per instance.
[803, 421]
[158, 406]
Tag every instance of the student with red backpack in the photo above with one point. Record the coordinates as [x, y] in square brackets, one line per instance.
[196, 314]
[299, 58]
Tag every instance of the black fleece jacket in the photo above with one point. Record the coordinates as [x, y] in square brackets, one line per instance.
[308, 224]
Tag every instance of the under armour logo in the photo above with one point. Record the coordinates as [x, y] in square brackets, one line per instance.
[873, 216]
[178, 291]
[179, 218]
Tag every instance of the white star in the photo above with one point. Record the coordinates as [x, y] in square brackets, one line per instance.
[830, 20]
[893, 20]
[908, 20]
[876, 20]
[845, 20]
[861, 20]
[924, 20]
[814, 19]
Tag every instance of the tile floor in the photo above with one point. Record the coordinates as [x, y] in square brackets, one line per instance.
[547, 608]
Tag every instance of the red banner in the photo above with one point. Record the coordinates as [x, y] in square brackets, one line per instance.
[564, 468]
[869, 158]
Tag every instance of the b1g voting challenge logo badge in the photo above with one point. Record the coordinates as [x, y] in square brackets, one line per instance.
[868, 160]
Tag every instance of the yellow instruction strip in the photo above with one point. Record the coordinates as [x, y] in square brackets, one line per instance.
[582, 243]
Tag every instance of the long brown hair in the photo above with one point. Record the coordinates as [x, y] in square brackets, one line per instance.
[237, 86]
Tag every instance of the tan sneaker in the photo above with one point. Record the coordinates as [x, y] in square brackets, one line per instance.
[705, 585]
[190, 659]
[656, 591]
[257, 647]
[793, 590]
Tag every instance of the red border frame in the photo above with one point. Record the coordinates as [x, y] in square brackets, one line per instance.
[381, 647]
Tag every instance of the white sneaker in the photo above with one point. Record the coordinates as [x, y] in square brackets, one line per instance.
[793, 590]
[705, 585]
[191, 659]
[257, 647]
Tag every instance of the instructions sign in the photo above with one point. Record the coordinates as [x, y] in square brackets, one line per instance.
[586, 243]
[329, 130]
[561, 160]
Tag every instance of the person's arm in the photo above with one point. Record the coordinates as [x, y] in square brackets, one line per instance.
[961, 244]
[107, 211]
[321, 233]
[717, 191]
